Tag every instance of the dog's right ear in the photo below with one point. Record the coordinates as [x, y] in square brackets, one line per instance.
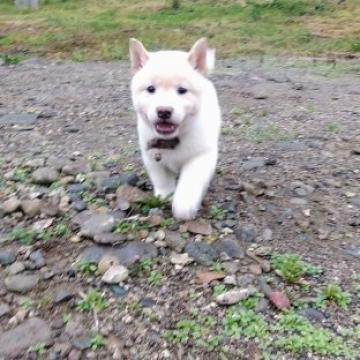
[138, 55]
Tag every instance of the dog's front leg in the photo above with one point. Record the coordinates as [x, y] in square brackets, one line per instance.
[162, 179]
[194, 180]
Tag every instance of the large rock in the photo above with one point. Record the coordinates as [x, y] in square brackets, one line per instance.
[21, 283]
[15, 341]
[7, 257]
[130, 193]
[10, 205]
[126, 255]
[115, 274]
[31, 207]
[97, 224]
[45, 176]
[201, 252]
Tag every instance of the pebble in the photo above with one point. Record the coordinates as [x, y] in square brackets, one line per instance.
[96, 224]
[230, 247]
[200, 227]
[37, 258]
[246, 233]
[312, 314]
[234, 296]
[106, 262]
[45, 176]
[81, 343]
[255, 269]
[356, 201]
[126, 255]
[7, 257]
[267, 234]
[110, 238]
[180, 259]
[11, 205]
[254, 163]
[31, 208]
[21, 283]
[118, 291]
[115, 274]
[15, 268]
[130, 194]
[174, 240]
[16, 340]
[201, 252]
[76, 167]
[4, 309]
[62, 295]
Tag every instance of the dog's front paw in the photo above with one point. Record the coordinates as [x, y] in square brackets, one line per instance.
[183, 211]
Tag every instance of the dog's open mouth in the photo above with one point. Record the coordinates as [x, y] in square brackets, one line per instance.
[165, 127]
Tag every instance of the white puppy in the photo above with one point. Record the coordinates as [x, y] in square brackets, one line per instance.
[178, 121]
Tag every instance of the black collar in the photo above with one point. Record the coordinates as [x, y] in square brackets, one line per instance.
[169, 144]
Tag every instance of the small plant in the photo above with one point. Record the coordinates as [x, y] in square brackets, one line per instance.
[21, 175]
[11, 59]
[61, 230]
[217, 213]
[93, 300]
[150, 202]
[291, 268]
[97, 342]
[155, 278]
[26, 303]
[24, 236]
[87, 267]
[39, 348]
[332, 127]
[217, 266]
[143, 266]
[334, 293]
[129, 226]
[219, 289]
[66, 318]
[89, 198]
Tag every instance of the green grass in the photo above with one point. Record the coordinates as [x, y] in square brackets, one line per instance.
[39, 349]
[95, 29]
[87, 267]
[126, 226]
[291, 268]
[92, 301]
[333, 293]
[97, 342]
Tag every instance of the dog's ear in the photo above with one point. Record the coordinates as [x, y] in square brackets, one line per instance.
[198, 56]
[138, 55]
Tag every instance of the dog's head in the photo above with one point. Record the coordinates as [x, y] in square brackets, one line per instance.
[167, 85]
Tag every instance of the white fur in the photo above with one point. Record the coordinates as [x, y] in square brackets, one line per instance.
[196, 113]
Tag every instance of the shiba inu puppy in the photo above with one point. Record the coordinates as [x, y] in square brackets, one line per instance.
[178, 121]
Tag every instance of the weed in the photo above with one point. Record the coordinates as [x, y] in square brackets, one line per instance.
[335, 294]
[263, 133]
[39, 348]
[291, 268]
[93, 300]
[66, 318]
[126, 226]
[155, 278]
[217, 212]
[217, 266]
[60, 230]
[89, 198]
[332, 127]
[219, 289]
[26, 303]
[24, 236]
[11, 59]
[87, 267]
[150, 202]
[21, 175]
[143, 266]
[97, 342]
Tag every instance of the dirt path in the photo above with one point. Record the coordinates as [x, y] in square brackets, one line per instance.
[288, 182]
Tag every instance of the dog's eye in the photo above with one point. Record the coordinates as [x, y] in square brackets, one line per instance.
[182, 90]
[150, 89]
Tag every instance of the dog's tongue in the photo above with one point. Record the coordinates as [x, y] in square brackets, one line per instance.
[165, 127]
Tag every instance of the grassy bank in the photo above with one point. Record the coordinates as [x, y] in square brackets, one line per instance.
[94, 29]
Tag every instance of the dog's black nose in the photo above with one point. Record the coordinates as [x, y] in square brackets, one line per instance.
[164, 112]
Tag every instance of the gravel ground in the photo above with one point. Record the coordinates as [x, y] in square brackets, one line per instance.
[92, 267]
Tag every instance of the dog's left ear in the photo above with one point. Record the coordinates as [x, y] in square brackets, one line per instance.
[201, 58]
[138, 55]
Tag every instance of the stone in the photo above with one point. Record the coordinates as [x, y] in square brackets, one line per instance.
[11, 205]
[110, 238]
[180, 259]
[76, 167]
[312, 315]
[115, 274]
[78, 205]
[31, 208]
[19, 339]
[246, 233]
[76, 188]
[230, 247]
[7, 257]
[106, 262]
[267, 234]
[37, 258]
[45, 176]
[62, 295]
[200, 226]
[130, 193]
[126, 255]
[81, 343]
[255, 269]
[356, 201]
[75, 326]
[234, 296]
[21, 283]
[174, 240]
[4, 310]
[201, 252]
[18, 119]
[15, 268]
[254, 163]
[97, 224]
